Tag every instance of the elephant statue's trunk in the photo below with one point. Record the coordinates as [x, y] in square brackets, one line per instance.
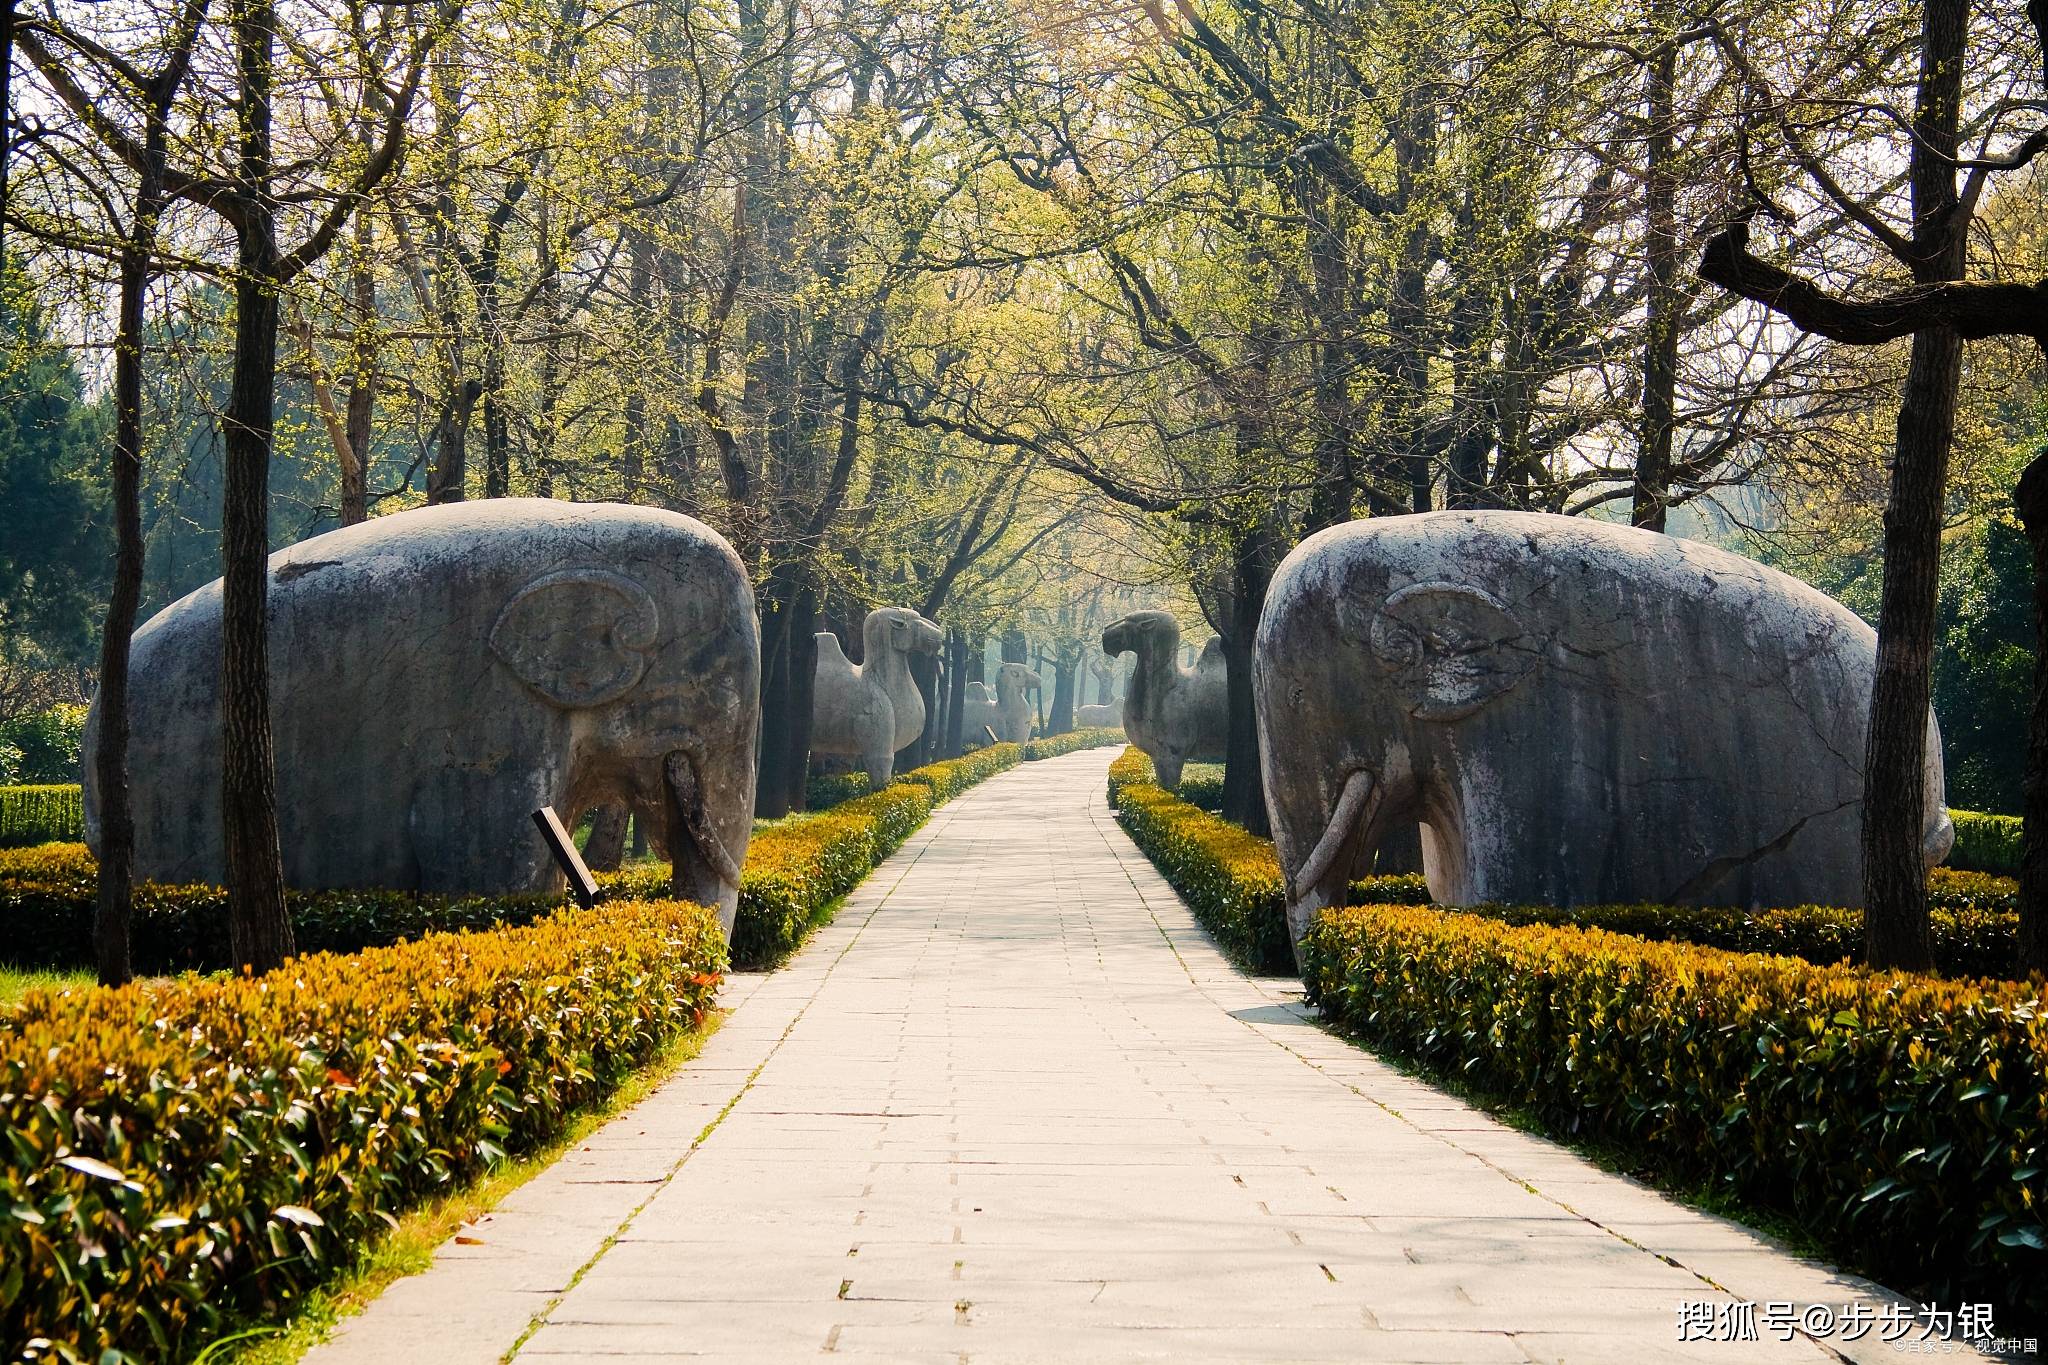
[704, 870]
[1325, 875]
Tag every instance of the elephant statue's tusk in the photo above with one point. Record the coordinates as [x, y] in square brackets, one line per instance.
[1358, 789]
[682, 785]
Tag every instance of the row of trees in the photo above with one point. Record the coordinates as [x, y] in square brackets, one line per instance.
[998, 311]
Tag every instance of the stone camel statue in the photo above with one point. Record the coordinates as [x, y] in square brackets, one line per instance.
[869, 711]
[1174, 714]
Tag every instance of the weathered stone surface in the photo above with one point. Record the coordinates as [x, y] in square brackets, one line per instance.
[1577, 712]
[1110, 715]
[868, 711]
[1009, 711]
[1176, 715]
[437, 675]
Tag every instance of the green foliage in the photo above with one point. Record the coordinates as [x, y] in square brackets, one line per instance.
[1984, 666]
[823, 792]
[50, 744]
[1229, 878]
[799, 867]
[1968, 942]
[950, 778]
[1986, 843]
[1095, 737]
[47, 902]
[40, 815]
[224, 1143]
[53, 539]
[1899, 1120]
[794, 870]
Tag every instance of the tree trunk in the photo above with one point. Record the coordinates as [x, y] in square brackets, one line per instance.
[605, 849]
[639, 290]
[448, 480]
[2032, 498]
[1244, 791]
[362, 391]
[1894, 880]
[1666, 301]
[259, 935]
[1062, 719]
[956, 693]
[114, 911]
[789, 660]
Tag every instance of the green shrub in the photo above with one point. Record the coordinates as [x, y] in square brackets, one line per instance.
[1966, 942]
[40, 815]
[1232, 881]
[1092, 737]
[1201, 786]
[824, 791]
[1986, 843]
[49, 744]
[955, 775]
[222, 1144]
[1900, 1120]
[1229, 878]
[47, 904]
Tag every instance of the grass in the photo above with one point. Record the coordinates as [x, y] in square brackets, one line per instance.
[409, 1248]
[15, 982]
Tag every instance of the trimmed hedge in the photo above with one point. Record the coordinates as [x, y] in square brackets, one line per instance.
[794, 870]
[1967, 943]
[1229, 878]
[47, 904]
[822, 793]
[1986, 843]
[955, 775]
[1090, 737]
[1232, 881]
[219, 1145]
[40, 815]
[1900, 1120]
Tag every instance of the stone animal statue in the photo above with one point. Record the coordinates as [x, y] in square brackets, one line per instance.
[977, 712]
[1109, 715]
[1174, 714]
[1576, 712]
[438, 675]
[868, 711]
[1007, 711]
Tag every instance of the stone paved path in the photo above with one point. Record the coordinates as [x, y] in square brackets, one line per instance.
[1012, 1105]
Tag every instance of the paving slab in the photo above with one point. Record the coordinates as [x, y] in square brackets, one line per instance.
[1014, 1105]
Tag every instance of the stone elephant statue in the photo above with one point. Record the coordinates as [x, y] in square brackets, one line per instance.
[439, 674]
[869, 711]
[1107, 715]
[1174, 714]
[1577, 712]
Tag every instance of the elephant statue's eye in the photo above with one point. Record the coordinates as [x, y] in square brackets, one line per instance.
[1296, 695]
[1397, 643]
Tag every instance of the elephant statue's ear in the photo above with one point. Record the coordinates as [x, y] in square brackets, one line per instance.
[581, 637]
[1449, 649]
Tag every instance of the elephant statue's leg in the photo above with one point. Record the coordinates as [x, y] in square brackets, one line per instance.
[1167, 768]
[880, 768]
[1324, 878]
[703, 870]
